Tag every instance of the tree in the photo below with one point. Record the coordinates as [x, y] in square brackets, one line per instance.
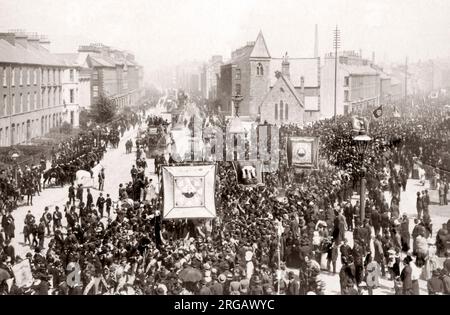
[103, 110]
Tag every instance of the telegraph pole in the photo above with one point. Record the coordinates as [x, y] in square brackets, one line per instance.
[406, 79]
[336, 45]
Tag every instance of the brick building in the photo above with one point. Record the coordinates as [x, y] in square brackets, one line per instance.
[251, 73]
[31, 98]
[114, 74]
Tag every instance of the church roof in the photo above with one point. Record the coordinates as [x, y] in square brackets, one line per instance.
[290, 86]
[260, 49]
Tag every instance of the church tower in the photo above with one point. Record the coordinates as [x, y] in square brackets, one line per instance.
[259, 75]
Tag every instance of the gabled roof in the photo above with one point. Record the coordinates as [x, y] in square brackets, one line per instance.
[282, 79]
[308, 68]
[260, 49]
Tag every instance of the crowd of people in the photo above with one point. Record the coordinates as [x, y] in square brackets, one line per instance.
[281, 237]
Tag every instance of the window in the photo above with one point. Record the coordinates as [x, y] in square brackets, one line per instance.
[286, 111]
[54, 97]
[13, 104]
[35, 105]
[259, 69]
[71, 75]
[4, 76]
[13, 76]
[35, 76]
[281, 110]
[71, 94]
[48, 97]
[346, 81]
[20, 76]
[238, 74]
[5, 105]
[346, 99]
[21, 103]
[28, 101]
[28, 76]
[48, 76]
[276, 111]
[95, 75]
[54, 77]
[94, 90]
[238, 89]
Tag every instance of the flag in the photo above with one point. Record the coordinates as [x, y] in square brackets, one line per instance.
[378, 112]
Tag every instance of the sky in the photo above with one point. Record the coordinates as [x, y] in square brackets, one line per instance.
[167, 32]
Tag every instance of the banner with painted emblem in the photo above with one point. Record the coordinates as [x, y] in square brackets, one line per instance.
[22, 273]
[189, 191]
[248, 172]
[303, 152]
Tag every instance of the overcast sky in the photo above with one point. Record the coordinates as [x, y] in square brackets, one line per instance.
[162, 32]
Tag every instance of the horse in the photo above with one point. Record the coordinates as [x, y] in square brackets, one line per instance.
[55, 172]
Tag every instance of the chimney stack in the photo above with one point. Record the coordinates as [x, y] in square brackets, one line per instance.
[316, 42]
[285, 67]
[21, 38]
[44, 42]
[33, 39]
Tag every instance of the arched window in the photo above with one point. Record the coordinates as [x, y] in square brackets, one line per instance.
[281, 110]
[286, 111]
[259, 69]
[276, 111]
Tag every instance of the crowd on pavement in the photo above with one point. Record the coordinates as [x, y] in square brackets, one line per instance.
[277, 238]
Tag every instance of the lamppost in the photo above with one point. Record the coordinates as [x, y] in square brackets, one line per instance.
[14, 157]
[362, 141]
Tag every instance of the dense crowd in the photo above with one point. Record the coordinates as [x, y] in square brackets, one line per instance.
[279, 237]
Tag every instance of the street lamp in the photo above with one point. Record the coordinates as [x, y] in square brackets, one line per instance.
[14, 157]
[362, 141]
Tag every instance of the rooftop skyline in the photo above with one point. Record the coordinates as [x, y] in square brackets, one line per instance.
[163, 33]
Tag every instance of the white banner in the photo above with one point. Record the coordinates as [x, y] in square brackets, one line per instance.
[189, 191]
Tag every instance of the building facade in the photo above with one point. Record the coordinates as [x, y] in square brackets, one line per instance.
[250, 73]
[209, 77]
[358, 84]
[114, 74]
[31, 101]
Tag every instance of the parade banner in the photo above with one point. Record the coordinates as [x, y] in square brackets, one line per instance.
[153, 131]
[248, 172]
[189, 191]
[303, 152]
[22, 273]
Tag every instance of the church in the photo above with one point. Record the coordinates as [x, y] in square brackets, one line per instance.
[277, 90]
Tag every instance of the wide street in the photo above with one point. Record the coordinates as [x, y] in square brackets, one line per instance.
[120, 173]
[115, 173]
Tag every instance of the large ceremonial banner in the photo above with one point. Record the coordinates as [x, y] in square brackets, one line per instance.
[248, 172]
[189, 191]
[303, 152]
[22, 273]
